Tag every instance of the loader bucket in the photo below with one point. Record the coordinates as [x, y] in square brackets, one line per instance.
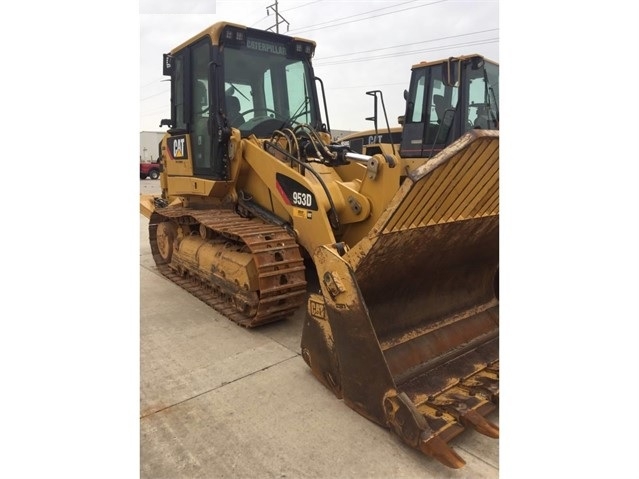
[406, 329]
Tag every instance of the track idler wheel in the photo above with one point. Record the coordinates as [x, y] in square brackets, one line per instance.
[166, 234]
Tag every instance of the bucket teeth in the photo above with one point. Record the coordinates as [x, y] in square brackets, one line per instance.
[480, 424]
[492, 391]
[437, 448]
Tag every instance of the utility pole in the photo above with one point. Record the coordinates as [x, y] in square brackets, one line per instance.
[277, 18]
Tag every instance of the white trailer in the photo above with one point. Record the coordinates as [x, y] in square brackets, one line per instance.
[149, 145]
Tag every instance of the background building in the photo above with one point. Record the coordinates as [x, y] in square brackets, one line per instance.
[149, 141]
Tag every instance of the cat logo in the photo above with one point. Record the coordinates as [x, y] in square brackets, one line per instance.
[317, 309]
[177, 147]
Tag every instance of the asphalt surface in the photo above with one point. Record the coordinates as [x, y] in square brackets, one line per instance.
[218, 400]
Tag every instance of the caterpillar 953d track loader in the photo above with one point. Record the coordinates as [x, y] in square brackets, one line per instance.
[404, 325]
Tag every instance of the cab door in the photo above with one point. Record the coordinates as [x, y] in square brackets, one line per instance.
[194, 112]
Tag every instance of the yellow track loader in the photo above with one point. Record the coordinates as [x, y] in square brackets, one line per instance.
[255, 197]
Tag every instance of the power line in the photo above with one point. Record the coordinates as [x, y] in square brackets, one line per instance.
[300, 6]
[263, 18]
[287, 10]
[155, 94]
[365, 86]
[157, 80]
[156, 111]
[331, 23]
[401, 54]
[407, 44]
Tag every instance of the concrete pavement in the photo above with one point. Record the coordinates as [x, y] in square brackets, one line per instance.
[218, 400]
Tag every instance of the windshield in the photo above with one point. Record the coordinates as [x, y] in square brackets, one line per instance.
[260, 86]
[483, 93]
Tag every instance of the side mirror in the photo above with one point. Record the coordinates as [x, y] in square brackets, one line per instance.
[167, 64]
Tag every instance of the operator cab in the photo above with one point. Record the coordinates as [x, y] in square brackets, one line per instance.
[230, 76]
[445, 100]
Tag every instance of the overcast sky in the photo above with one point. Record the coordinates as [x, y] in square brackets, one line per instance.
[361, 45]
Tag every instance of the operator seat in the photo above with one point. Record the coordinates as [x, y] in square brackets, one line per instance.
[233, 111]
[201, 98]
[444, 111]
[482, 120]
[440, 108]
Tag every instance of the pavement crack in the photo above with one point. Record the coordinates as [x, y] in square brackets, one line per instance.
[477, 457]
[223, 384]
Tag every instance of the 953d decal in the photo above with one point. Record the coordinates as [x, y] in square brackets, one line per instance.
[294, 193]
